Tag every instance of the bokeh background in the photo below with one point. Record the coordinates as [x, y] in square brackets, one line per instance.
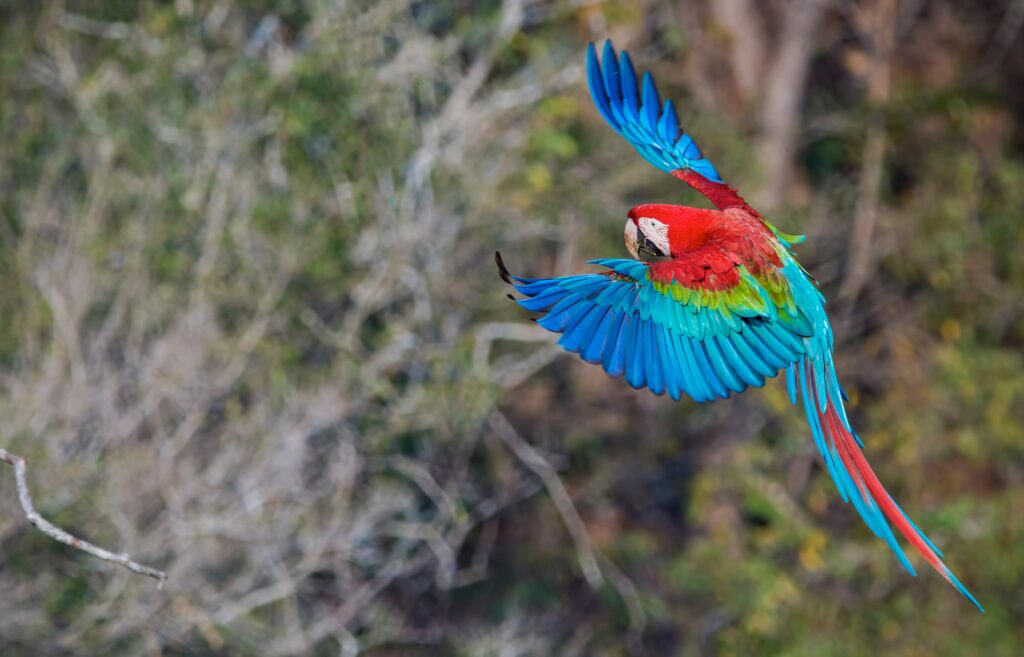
[252, 331]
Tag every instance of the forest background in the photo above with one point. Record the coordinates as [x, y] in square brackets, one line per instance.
[254, 336]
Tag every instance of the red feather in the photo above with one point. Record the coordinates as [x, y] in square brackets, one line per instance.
[723, 196]
[867, 481]
[708, 245]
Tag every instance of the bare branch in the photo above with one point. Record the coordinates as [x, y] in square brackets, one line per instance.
[781, 106]
[1007, 33]
[42, 524]
[865, 222]
[520, 369]
[540, 466]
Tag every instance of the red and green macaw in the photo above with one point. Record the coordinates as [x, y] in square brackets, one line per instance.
[725, 306]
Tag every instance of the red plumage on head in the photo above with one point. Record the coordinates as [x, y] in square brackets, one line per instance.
[708, 245]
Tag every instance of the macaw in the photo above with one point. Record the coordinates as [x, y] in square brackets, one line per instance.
[711, 302]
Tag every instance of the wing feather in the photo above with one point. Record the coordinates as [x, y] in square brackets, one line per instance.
[695, 342]
[639, 116]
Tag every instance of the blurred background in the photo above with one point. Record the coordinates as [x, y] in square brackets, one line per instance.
[253, 333]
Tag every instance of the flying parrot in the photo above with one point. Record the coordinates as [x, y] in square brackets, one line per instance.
[712, 302]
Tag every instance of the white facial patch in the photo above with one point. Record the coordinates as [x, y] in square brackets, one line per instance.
[656, 232]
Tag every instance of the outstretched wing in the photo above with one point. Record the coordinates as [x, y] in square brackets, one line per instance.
[652, 128]
[669, 334]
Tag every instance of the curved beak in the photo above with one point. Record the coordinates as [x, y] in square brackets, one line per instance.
[632, 239]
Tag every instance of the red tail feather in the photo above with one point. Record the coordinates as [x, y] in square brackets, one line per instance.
[856, 463]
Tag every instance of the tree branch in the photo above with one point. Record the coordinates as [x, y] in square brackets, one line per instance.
[20, 466]
[881, 36]
[780, 114]
[541, 467]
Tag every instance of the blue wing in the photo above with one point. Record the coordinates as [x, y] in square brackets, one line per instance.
[620, 320]
[651, 128]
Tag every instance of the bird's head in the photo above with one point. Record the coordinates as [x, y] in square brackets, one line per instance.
[647, 233]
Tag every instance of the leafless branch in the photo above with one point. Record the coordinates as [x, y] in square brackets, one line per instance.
[540, 466]
[20, 466]
[1007, 33]
[881, 33]
[511, 374]
[784, 95]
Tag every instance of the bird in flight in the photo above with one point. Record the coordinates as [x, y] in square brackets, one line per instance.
[712, 302]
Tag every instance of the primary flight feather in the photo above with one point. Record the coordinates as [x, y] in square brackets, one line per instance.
[726, 307]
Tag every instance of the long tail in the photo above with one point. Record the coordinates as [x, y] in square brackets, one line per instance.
[857, 482]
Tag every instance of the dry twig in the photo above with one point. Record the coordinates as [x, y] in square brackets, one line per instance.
[540, 466]
[42, 524]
